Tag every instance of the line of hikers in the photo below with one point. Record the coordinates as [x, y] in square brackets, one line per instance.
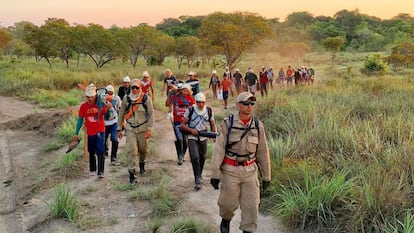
[240, 149]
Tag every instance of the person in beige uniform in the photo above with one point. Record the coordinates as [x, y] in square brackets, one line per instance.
[137, 110]
[240, 152]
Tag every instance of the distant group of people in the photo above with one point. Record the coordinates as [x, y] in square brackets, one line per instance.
[240, 144]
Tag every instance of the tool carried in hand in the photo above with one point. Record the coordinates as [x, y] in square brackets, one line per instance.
[72, 145]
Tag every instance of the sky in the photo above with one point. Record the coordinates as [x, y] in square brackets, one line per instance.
[127, 13]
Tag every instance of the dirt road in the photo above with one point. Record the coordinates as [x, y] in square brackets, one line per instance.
[28, 180]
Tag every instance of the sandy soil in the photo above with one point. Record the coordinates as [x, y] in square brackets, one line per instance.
[28, 179]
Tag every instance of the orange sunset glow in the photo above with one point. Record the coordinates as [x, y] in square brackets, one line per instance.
[127, 13]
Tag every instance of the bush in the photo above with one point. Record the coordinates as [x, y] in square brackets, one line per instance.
[375, 65]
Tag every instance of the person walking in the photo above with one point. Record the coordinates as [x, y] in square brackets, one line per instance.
[238, 80]
[93, 113]
[264, 79]
[138, 112]
[214, 83]
[169, 82]
[240, 151]
[124, 89]
[226, 88]
[197, 119]
[111, 124]
[178, 103]
[251, 80]
[194, 83]
[147, 85]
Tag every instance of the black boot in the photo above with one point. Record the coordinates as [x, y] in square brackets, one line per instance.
[178, 148]
[246, 232]
[141, 168]
[225, 226]
[132, 176]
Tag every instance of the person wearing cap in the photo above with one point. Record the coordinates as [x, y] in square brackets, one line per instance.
[240, 151]
[95, 129]
[178, 103]
[214, 83]
[251, 80]
[197, 119]
[138, 112]
[193, 82]
[169, 82]
[229, 75]
[270, 74]
[147, 86]
[124, 89]
[111, 124]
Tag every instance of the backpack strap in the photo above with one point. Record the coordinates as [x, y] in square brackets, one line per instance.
[230, 126]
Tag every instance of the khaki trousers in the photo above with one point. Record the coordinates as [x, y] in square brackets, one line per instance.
[240, 188]
[138, 147]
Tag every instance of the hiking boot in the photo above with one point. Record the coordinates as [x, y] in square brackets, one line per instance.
[225, 226]
[247, 232]
[115, 163]
[132, 176]
[142, 168]
[92, 173]
[180, 161]
[100, 175]
[197, 187]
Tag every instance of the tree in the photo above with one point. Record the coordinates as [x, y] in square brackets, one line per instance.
[5, 38]
[186, 47]
[137, 40]
[235, 33]
[159, 48]
[98, 43]
[333, 45]
[39, 39]
[402, 54]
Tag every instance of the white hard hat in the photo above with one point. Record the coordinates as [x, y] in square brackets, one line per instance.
[200, 97]
[127, 79]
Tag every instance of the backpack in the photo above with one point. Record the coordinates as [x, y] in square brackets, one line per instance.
[230, 126]
[209, 111]
[144, 104]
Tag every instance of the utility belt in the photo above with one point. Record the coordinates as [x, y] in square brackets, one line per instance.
[236, 163]
[136, 126]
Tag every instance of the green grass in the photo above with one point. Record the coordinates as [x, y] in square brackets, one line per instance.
[65, 204]
[191, 225]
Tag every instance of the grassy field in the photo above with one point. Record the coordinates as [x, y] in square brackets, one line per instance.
[342, 149]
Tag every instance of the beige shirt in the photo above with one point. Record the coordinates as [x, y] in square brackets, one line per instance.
[254, 144]
[138, 117]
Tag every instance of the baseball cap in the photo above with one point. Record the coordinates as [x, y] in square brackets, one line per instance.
[127, 79]
[245, 96]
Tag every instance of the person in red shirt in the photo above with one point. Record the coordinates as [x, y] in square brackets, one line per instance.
[178, 103]
[146, 85]
[264, 79]
[93, 113]
[225, 86]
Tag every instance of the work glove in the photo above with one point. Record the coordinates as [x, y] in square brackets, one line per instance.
[265, 185]
[215, 183]
[170, 116]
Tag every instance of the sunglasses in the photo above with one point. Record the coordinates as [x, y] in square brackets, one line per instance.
[247, 103]
[135, 88]
[200, 102]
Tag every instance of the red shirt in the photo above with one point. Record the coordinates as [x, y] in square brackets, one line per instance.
[225, 85]
[180, 105]
[90, 114]
[145, 84]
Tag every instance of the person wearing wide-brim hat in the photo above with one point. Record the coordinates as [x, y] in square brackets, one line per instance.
[95, 128]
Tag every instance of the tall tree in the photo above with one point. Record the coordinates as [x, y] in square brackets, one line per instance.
[60, 35]
[159, 48]
[235, 33]
[333, 45]
[186, 47]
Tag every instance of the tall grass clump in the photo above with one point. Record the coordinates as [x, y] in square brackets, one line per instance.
[191, 225]
[354, 137]
[65, 204]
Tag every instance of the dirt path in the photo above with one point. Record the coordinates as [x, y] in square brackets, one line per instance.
[27, 179]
